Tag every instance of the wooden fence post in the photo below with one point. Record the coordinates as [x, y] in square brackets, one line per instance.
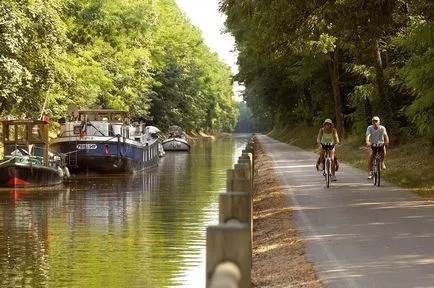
[234, 183]
[226, 275]
[235, 205]
[229, 242]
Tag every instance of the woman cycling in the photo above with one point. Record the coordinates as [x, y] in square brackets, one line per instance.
[327, 134]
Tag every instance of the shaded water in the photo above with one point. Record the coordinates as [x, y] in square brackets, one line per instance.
[142, 230]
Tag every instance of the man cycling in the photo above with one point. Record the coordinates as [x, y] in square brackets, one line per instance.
[327, 134]
[376, 134]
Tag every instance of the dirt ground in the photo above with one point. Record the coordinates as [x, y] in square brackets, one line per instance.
[278, 252]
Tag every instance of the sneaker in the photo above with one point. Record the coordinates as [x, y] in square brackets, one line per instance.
[383, 166]
[370, 176]
[333, 178]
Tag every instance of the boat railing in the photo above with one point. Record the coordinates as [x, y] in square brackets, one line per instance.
[111, 130]
[26, 159]
[92, 128]
[31, 154]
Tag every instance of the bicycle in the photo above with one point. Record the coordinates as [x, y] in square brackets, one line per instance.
[377, 152]
[327, 173]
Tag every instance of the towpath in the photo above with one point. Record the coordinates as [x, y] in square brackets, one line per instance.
[355, 234]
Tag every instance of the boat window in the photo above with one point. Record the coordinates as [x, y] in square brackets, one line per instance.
[10, 133]
[103, 117]
[91, 116]
[117, 117]
[77, 129]
[37, 130]
[22, 132]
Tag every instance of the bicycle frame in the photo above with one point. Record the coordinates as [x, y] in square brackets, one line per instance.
[377, 151]
[327, 147]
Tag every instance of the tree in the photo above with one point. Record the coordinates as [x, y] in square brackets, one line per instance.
[31, 37]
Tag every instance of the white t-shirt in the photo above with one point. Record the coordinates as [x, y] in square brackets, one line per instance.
[376, 135]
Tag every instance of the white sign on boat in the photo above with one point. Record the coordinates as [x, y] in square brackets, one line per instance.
[86, 146]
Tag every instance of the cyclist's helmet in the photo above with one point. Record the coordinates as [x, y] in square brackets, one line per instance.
[329, 121]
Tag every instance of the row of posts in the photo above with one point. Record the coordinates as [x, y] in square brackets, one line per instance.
[229, 244]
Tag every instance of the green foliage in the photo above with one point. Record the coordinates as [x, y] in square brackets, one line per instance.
[140, 56]
[31, 37]
[418, 75]
[193, 89]
[377, 55]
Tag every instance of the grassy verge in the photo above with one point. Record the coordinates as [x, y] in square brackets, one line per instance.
[408, 165]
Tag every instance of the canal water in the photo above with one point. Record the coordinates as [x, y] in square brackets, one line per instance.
[142, 230]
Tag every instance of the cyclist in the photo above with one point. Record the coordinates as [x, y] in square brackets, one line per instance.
[376, 134]
[327, 134]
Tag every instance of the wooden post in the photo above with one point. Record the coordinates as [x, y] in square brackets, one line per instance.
[234, 183]
[229, 242]
[246, 158]
[226, 275]
[235, 205]
[242, 170]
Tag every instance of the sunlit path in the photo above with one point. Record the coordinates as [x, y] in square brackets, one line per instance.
[356, 235]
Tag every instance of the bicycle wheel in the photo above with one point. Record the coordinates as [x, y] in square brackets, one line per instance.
[378, 172]
[374, 172]
[327, 169]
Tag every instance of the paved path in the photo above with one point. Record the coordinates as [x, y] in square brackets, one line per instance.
[356, 235]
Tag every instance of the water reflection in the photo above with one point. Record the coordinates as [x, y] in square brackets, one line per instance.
[142, 230]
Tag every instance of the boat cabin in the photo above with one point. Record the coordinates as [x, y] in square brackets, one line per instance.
[102, 122]
[26, 137]
[110, 116]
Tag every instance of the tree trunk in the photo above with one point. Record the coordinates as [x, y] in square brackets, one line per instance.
[386, 106]
[385, 101]
[333, 67]
[309, 103]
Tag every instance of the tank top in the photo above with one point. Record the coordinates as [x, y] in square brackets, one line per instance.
[327, 137]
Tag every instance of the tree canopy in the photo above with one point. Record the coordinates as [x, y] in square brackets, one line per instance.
[304, 61]
[141, 56]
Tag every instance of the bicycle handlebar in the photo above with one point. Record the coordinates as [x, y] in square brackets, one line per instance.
[327, 146]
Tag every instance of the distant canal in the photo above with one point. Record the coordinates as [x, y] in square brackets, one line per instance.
[143, 230]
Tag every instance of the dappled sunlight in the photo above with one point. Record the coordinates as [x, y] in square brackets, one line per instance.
[413, 217]
[396, 204]
[356, 234]
[412, 236]
[276, 245]
[278, 259]
[378, 266]
[359, 185]
[295, 166]
[273, 213]
[285, 160]
[303, 186]
[306, 208]
[331, 237]
[292, 171]
[428, 261]
[381, 223]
